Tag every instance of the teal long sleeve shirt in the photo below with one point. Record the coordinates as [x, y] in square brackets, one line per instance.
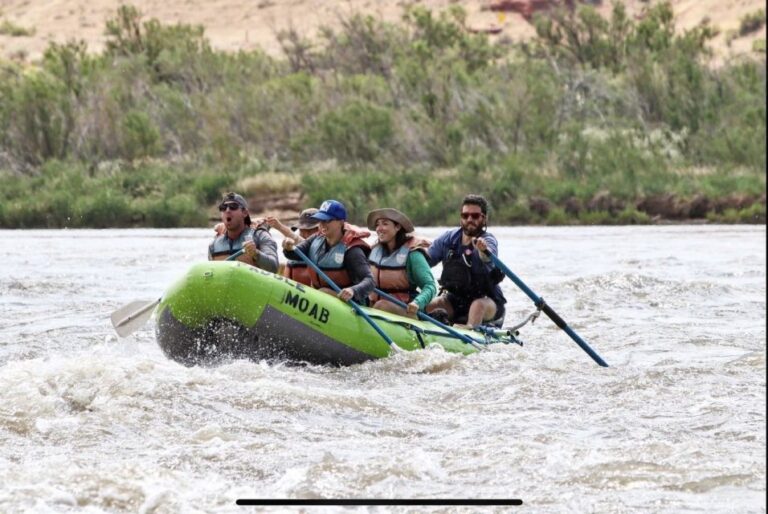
[419, 273]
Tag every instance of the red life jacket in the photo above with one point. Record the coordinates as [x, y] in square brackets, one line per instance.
[298, 272]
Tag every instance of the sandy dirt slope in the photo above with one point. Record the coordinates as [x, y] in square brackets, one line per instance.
[247, 24]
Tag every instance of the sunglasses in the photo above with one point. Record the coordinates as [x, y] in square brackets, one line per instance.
[473, 215]
[231, 206]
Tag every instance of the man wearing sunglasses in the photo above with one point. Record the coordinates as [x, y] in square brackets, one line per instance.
[470, 282]
[259, 249]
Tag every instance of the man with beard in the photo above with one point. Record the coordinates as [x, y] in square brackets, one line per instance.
[259, 249]
[470, 282]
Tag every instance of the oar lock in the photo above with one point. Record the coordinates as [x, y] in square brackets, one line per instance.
[502, 335]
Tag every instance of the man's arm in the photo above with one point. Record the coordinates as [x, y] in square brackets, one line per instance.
[491, 245]
[436, 251]
[282, 228]
[267, 256]
[356, 264]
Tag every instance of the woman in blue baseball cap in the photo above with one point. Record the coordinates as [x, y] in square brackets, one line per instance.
[339, 250]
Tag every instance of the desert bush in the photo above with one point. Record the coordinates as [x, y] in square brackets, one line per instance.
[269, 183]
[409, 114]
[180, 210]
[752, 22]
[357, 131]
[8, 28]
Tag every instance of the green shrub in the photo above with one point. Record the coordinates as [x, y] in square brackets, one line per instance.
[104, 209]
[269, 183]
[752, 22]
[753, 214]
[412, 114]
[513, 213]
[208, 188]
[8, 28]
[597, 218]
[357, 131]
[558, 216]
[631, 216]
[140, 135]
[176, 211]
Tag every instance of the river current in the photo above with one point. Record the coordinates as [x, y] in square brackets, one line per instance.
[93, 423]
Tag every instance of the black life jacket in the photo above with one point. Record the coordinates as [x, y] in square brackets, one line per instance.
[463, 274]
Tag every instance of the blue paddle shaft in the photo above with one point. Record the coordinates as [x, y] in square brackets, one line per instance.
[235, 255]
[336, 288]
[541, 304]
[426, 317]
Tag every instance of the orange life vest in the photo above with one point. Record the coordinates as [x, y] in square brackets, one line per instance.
[389, 271]
[298, 272]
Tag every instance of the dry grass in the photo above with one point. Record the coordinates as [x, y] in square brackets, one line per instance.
[269, 183]
[241, 24]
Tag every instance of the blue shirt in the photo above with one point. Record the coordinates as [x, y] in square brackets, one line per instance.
[450, 241]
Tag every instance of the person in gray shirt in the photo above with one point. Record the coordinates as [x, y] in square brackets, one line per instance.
[259, 249]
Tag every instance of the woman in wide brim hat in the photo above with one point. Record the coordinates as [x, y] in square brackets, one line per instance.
[390, 214]
[399, 263]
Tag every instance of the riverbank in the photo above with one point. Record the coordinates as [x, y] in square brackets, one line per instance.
[156, 195]
[627, 123]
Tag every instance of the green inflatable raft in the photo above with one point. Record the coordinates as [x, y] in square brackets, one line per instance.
[228, 310]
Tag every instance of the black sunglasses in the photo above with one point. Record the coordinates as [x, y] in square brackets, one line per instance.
[231, 206]
[473, 215]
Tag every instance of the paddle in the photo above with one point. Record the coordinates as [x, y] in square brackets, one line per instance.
[129, 318]
[541, 304]
[355, 306]
[426, 317]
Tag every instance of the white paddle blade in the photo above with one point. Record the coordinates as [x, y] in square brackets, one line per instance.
[129, 318]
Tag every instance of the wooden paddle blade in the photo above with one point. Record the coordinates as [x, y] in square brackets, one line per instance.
[129, 318]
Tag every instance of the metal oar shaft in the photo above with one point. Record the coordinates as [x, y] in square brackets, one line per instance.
[426, 317]
[235, 255]
[129, 318]
[541, 304]
[336, 288]
[136, 314]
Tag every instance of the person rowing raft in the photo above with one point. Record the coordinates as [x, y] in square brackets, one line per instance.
[470, 281]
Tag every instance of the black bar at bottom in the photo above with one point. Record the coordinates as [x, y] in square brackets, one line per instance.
[353, 502]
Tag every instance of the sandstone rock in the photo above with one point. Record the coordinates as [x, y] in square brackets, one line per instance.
[604, 201]
[540, 206]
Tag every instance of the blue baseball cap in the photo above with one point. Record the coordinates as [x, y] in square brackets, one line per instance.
[330, 210]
